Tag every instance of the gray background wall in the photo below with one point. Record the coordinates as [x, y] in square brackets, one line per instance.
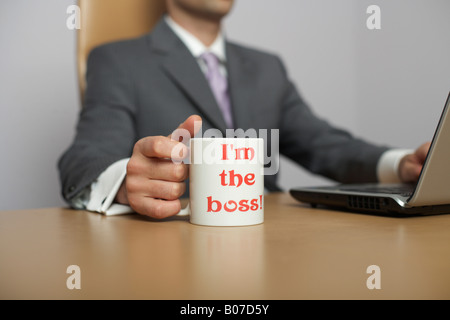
[387, 85]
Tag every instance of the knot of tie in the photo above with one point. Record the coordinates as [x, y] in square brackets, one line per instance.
[213, 74]
[219, 85]
[212, 61]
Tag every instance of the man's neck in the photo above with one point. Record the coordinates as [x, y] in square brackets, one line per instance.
[203, 29]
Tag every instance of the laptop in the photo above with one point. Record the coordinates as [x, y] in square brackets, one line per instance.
[430, 195]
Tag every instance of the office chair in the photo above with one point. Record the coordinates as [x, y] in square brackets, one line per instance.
[104, 21]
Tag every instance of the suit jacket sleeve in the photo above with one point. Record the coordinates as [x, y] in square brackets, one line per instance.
[105, 132]
[322, 148]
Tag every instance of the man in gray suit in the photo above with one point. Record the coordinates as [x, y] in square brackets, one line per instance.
[140, 90]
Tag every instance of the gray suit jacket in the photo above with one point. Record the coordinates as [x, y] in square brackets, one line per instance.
[149, 85]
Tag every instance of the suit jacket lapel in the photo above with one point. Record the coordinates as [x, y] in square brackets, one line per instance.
[241, 79]
[185, 72]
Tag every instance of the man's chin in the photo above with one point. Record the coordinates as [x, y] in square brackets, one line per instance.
[219, 9]
[214, 17]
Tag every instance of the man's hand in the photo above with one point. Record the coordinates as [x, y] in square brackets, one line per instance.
[411, 164]
[154, 182]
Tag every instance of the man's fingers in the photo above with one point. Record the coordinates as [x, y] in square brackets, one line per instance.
[183, 134]
[155, 208]
[422, 151]
[410, 168]
[170, 147]
[167, 190]
[187, 129]
[156, 174]
[411, 165]
[160, 147]
[158, 189]
[158, 169]
[413, 171]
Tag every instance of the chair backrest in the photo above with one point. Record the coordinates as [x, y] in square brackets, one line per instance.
[104, 21]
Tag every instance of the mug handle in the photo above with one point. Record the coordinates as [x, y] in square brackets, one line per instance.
[184, 211]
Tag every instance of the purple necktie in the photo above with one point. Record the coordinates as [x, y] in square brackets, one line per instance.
[219, 86]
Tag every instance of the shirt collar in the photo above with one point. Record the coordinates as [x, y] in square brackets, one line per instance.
[195, 46]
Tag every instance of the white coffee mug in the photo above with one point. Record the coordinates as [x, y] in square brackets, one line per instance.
[226, 182]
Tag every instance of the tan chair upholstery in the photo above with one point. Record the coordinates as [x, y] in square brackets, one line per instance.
[104, 21]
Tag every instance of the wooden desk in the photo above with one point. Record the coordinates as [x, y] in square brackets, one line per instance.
[298, 253]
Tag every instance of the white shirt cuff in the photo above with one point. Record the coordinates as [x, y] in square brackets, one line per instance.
[387, 168]
[104, 190]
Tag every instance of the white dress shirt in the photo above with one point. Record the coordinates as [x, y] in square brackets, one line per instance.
[99, 196]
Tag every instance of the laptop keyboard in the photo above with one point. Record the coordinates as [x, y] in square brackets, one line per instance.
[405, 190]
